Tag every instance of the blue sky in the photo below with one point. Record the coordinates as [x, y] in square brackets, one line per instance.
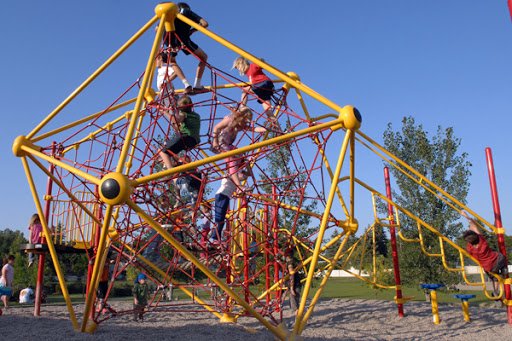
[446, 63]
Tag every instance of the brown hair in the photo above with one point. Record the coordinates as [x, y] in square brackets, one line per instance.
[33, 219]
[471, 237]
[185, 104]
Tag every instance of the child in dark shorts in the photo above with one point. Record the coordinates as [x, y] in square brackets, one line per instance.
[187, 125]
[181, 38]
[262, 86]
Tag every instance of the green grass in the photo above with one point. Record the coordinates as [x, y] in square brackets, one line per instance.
[355, 288]
[350, 288]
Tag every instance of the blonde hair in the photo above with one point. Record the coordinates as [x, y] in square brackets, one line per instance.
[33, 219]
[242, 117]
[241, 64]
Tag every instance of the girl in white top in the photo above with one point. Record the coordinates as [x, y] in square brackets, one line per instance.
[6, 280]
[165, 76]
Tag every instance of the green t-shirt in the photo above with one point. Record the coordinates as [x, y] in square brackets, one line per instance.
[191, 125]
[141, 292]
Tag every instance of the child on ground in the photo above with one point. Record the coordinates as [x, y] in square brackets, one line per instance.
[294, 283]
[261, 85]
[35, 228]
[140, 297]
[491, 261]
[6, 280]
[181, 40]
[27, 295]
[187, 125]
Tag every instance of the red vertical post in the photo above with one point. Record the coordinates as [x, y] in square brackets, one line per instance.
[245, 243]
[267, 251]
[498, 223]
[394, 249]
[42, 256]
[276, 244]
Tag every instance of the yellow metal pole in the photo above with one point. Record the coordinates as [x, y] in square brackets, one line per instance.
[318, 244]
[61, 164]
[315, 298]
[241, 150]
[49, 241]
[176, 284]
[133, 147]
[465, 310]
[261, 63]
[188, 255]
[96, 271]
[92, 77]
[82, 120]
[93, 134]
[352, 178]
[423, 179]
[435, 308]
[142, 92]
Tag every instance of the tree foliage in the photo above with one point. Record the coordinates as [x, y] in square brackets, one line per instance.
[439, 159]
[289, 178]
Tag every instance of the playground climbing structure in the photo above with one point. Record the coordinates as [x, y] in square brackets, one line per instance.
[107, 190]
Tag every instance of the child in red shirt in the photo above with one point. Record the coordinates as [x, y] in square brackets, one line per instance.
[261, 86]
[490, 260]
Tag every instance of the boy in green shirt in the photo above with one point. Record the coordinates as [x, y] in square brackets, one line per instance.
[140, 297]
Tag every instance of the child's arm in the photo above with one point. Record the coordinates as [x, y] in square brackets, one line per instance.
[216, 131]
[472, 223]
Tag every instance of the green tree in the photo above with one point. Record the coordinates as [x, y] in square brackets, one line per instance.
[10, 244]
[288, 178]
[439, 159]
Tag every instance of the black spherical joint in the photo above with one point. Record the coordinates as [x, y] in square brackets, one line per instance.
[110, 188]
[115, 188]
[358, 116]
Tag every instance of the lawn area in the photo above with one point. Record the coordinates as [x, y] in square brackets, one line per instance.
[336, 288]
[355, 288]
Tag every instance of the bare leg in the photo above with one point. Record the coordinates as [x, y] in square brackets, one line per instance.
[167, 160]
[203, 57]
[266, 109]
[245, 93]
[179, 72]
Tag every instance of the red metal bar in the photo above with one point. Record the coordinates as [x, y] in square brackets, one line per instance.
[394, 249]
[267, 252]
[40, 266]
[498, 223]
[245, 242]
[275, 227]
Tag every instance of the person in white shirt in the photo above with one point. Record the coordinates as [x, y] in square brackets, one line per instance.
[238, 170]
[27, 296]
[6, 280]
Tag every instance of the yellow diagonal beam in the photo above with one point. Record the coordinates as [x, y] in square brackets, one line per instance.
[92, 77]
[238, 151]
[188, 255]
[47, 234]
[142, 93]
[300, 320]
[61, 164]
[82, 120]
[175, 283]
[276, 72]
[99, 263]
